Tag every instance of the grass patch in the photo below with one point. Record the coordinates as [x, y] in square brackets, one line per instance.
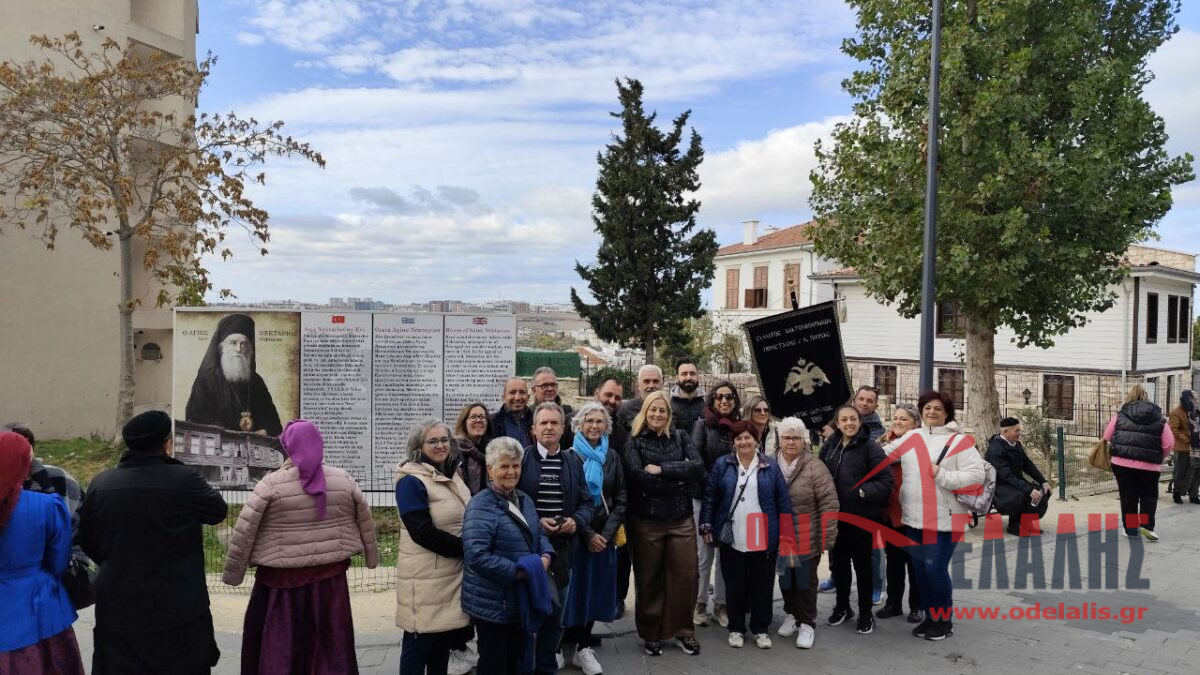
[83, 458]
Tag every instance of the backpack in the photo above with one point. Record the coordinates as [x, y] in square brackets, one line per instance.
[976, 499]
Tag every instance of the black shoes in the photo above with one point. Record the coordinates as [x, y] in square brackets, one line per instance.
[652, 648]
[888, 611]
[1194, 500]
[1176, 497]
[689, 646]
[939, 630]
[916, 616]
[922, 628]
[840, 615]
[866, 623]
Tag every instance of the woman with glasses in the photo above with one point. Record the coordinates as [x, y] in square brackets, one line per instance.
[712, 439]
[472, 432]
[758, 414]
[592, 593]
[431, 499]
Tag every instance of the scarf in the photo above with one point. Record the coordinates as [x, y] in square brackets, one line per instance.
[15, 458]
[716, 420]
[593, 464]
[788, 468]
[302, 442]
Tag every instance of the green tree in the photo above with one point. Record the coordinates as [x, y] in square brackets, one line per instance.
[1195, 344]
[91, 143]
[1051, 164]
[652, 262]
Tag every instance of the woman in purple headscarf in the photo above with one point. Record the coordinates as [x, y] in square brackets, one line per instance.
[301, 526]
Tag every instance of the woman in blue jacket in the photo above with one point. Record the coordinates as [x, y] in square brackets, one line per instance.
[745, 489]
[500, 533]
[35, 547]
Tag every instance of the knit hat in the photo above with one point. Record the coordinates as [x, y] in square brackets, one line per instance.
[1008, 422]
[147, 432]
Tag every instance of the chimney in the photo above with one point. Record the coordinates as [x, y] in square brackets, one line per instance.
[749, 232]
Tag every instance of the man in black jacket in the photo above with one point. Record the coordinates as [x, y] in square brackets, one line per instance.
[687, 398]
[1016, 496]
[141, 522]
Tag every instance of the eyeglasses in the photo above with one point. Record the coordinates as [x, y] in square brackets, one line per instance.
[546, 385]
[444, 440]
[477, 418]
[724, 397]
[791, 439]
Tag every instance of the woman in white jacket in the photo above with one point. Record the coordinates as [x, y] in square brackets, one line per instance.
[929, 511]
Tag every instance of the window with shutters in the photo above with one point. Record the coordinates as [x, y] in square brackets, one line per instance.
[1151, 318]
[885, 380]
[1058, 395]
[791, 283]
[951, 381]
[732, 281]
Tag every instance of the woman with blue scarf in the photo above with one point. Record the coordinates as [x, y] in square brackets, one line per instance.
[592, 595]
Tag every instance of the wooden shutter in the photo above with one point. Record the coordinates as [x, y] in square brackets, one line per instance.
[732, 281]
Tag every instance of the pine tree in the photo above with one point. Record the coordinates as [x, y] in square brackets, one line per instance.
[652, 262]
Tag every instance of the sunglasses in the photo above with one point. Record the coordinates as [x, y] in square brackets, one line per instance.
[762, 410]
[724, 397]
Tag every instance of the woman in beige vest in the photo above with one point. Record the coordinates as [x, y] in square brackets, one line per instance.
[431, 499]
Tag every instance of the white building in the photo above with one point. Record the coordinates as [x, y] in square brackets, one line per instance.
[1145, 337]
[756, 277]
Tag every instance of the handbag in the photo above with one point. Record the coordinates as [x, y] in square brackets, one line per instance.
[619, 538]
[79, 580]
[1100, 456]
[976, 500]
[725, 536]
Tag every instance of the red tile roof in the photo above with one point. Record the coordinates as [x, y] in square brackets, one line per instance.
[843, 273]
[796, 235]
[592, 357]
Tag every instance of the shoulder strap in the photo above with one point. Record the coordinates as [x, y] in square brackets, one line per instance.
[946, 449]
[734, 503]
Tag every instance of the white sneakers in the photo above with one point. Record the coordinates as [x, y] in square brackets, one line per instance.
[458, 664]
[788, 628]
[700, 615]
[806, 637]
[585, 660]
[1148, 534]
[735, 640]
[762, 641]
[721, 614]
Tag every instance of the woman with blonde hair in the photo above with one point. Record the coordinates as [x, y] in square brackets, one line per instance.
[757, 412]
[1140, 439]
[662, 471]
[301, 526]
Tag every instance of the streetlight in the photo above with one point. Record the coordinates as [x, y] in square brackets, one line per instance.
[929, 267]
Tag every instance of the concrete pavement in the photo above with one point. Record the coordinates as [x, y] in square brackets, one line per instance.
[1166, 639]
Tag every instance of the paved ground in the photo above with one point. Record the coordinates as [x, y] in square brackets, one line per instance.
[1165, 640]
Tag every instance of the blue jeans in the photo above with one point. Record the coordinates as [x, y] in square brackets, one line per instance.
[931, 563]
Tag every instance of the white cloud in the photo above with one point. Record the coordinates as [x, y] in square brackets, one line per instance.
[309, 26]
[768, 175]
[251, 39]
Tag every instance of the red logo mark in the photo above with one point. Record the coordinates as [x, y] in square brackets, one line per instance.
[480, 321]
[338, 318]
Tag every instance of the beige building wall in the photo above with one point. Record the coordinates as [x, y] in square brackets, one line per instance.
[59, 340]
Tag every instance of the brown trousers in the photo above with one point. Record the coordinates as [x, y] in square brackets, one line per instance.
[665, 573]
[801, 599]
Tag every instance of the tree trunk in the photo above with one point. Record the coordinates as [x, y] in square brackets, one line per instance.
[125, 308]
[983, 402]
[649, 340]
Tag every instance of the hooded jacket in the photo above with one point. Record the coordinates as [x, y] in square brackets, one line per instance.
[962, 467]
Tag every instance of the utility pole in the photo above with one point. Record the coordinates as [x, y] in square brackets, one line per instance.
[929, 266]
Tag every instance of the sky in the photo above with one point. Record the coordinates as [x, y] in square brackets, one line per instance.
[461, 137]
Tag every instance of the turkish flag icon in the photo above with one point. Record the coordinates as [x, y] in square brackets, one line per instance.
[338, 318]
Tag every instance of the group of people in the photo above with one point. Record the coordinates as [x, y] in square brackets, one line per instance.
[519, 530]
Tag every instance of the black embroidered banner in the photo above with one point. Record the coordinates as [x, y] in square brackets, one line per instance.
[799, 362]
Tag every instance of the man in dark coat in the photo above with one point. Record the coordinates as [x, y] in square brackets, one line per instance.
[514, 418]
[228, 391]
[687, 397]
[649, 378]
[141, 522]
[1015, 495]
